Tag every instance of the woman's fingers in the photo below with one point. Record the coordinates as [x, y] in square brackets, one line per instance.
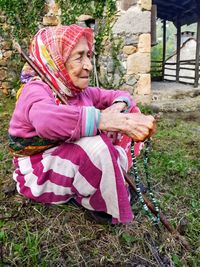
[140, 135]
[136, 125]
[153, 130]
[141, 126]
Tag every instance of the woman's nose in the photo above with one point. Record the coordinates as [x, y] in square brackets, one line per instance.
[87, 65]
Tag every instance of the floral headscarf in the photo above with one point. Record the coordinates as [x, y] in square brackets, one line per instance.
[50, 49]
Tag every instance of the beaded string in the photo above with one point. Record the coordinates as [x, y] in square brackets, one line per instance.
[135, 173]
[147, 150]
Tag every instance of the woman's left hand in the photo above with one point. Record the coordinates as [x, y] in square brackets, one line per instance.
[116, 107]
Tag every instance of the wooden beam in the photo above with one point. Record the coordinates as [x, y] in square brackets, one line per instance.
[187, 10]
[153, 25]
[198, 5]
[170, 5]
[178, 46]
[196, 82]
[164, 49]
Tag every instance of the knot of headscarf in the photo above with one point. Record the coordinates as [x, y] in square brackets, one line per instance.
[50, 49]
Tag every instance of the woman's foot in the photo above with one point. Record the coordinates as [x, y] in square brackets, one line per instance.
[97, 216]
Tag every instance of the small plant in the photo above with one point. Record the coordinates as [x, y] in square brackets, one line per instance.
[117, 68]
[22, 16]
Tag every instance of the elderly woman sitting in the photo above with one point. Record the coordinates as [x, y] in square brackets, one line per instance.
[77, 150]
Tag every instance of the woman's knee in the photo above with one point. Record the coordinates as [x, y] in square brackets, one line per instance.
[97, 146]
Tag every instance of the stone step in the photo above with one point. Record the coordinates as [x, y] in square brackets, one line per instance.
[171, 96]
[175, 94]
[172, 105]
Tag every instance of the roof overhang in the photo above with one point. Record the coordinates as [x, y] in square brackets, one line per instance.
[178, 11]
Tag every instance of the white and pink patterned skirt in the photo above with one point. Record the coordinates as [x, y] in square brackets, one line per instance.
[88, 170]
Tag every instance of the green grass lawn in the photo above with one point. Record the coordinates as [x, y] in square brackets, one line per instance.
[34, 234]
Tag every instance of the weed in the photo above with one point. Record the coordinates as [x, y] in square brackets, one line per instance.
[48, 235]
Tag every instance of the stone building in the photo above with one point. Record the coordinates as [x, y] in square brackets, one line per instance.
[131, 30]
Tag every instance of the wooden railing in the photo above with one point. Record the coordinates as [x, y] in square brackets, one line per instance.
[186, 71]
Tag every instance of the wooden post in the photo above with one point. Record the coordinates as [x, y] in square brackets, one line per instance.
[196, 80]
[178, 46]
[164, 49]
[153, 25]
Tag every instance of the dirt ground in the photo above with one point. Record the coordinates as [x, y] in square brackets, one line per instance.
[173, 97]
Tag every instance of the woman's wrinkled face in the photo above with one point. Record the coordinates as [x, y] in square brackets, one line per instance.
[79, 64]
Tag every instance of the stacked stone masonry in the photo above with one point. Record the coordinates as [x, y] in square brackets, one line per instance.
[7, 68]
[131, 32]
[6, 74]
[132, 29]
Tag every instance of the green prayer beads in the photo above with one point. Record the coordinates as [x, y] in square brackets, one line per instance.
[134, 172]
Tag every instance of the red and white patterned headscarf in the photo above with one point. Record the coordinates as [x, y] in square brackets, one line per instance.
[50, 49]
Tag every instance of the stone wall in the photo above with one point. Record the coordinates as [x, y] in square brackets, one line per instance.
[131, 34]
[52, 14]
[6, 73]
[132, 30]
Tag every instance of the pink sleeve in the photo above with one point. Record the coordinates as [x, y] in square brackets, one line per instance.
[36, 113]
[103, 98]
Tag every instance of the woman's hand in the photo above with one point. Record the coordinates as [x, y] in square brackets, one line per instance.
[136, 125]
[116, 107]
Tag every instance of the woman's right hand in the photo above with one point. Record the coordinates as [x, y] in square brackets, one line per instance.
[136, 125]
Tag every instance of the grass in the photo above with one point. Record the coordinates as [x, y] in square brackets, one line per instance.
[33, 234]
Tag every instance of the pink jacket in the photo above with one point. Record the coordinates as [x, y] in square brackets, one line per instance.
[37, 114]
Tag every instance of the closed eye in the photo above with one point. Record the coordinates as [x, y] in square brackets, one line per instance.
[78, 58]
